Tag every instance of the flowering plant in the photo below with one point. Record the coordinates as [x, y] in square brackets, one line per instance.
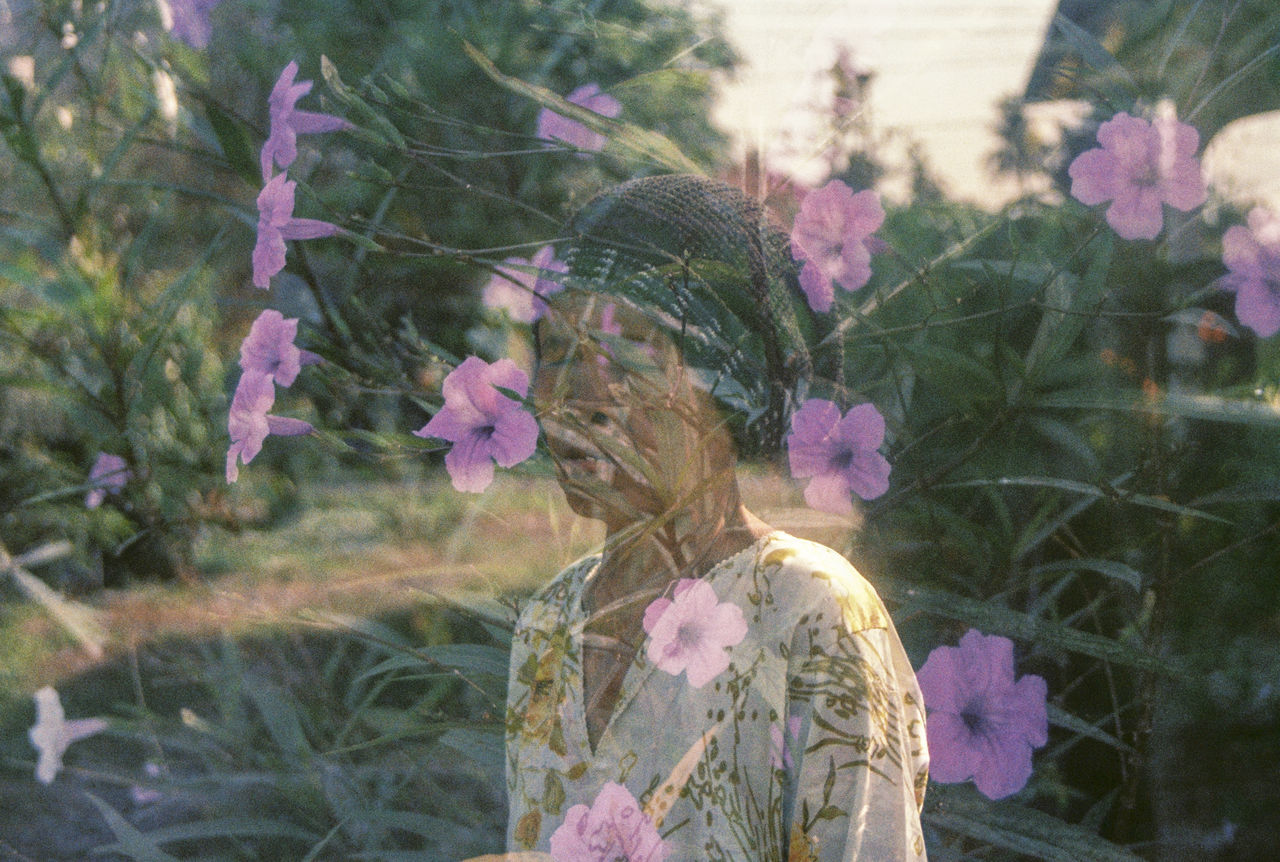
[1054, 428]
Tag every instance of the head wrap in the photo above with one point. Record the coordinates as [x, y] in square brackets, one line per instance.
[709, 266]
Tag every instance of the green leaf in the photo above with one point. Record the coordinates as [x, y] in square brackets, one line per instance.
[1253, 491]
[486, 747]
[361, 112]
[170, 302]
[1070, 303]
[130, 841]
[1015, 827]
[642, 143]
[251, 827]
[1111, 493]
[464, 658]
[279, 711]
[1061, 718]
[234, 141]
[1210, 408]
[1114, 78]
[959, 378]
[995, 619]
[1110, 568]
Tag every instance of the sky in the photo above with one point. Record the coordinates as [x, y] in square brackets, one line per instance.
[940, 68]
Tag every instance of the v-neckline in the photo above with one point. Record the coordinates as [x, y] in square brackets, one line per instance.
[639, 668]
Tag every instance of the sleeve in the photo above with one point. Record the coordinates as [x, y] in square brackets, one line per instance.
[859, 762]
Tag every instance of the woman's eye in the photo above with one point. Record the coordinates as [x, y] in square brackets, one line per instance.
[599, 418]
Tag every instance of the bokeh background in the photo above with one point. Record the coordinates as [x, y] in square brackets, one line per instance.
[310, 663]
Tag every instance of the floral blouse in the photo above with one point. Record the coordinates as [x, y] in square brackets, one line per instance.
[809, 744]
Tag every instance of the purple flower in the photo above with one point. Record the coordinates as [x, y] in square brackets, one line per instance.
[269, 348]
[107, 476]
[277, 224]
[838, 453]
[608, 326]
[982, 725]
[1252, 256]
[831, 234]
[249, 423]
[483, 424]
[1139, 167]
[52, 734]
[691, 631]
[188, 20]
[287, 122]
[553, 126]
[612, 828]
[521, 293]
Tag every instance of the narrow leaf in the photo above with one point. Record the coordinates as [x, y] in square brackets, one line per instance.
[643, 143]
[1016, 827]
[234, 141]
[1114, 494]
[993, 619]
[1110, 568]
[130, 841]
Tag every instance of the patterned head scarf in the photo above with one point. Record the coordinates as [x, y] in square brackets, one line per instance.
[709, 266]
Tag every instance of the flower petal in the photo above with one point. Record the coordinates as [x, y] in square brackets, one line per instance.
[285, 426]
[1094, 177]
[1258, 307]
[515, 437]
[1136, 213]
[829, 493]
[469, 465]
[307, 228]
[817, 287]
[309, 123]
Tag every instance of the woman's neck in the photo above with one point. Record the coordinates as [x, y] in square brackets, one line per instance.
[640, 562]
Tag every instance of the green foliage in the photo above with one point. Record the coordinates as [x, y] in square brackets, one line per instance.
[352, 743]
[1077, 463]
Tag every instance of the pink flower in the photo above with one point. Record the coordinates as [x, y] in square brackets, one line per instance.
[483, 424]
[780, 742]
[287, 122]
[52, 734]
[831, 235]
[521, 293]
[1139, 167]
[249, 423]
[691, 631]
[1252, 256]
[613, 828]
[982, 725]
[553, 126]
[838, 453]
[188, 20]
[608, 326]
[277, 224]
[269, 348]
[107, 476]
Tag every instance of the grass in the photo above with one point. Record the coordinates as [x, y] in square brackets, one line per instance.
[269, 674]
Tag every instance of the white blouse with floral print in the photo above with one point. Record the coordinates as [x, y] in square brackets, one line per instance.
[810, 745]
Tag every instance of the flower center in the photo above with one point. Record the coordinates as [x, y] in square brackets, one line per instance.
[841, 460]
[1148, 177]
[974, 716]
[486, 431]
[688, 635]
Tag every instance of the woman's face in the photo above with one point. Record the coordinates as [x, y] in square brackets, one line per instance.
[629, 434]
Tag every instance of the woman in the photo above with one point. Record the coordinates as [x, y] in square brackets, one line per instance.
[706, 687]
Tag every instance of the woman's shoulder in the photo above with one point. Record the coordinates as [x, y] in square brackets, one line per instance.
[811, 577]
